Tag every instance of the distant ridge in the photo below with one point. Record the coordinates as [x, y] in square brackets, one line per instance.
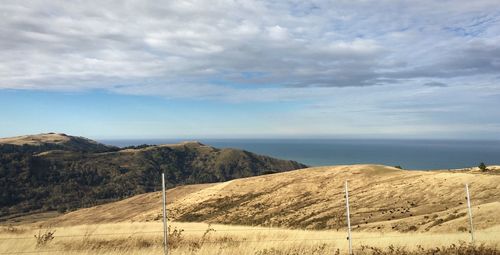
[61, 141]
[54, 171]
[39, 139]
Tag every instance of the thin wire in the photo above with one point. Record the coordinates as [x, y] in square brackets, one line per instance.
[90, 235]
[214, 242]
[148, 232]
[222, 230]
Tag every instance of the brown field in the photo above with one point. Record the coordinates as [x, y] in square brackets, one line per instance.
[146, 238]
[297, 212]
[383, 199]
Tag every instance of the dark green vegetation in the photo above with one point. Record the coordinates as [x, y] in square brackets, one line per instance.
[483, 167]
[80, 173]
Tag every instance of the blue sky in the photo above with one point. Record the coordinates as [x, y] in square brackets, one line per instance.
[245, 69]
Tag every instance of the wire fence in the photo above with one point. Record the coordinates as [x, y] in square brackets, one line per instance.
[293, 240]
[227, 231]
[260, 230]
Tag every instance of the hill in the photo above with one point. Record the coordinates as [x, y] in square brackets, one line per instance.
[50, 172]
[383, 199]
[53, 141]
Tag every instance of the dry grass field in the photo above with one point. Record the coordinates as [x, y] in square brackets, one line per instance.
[202, 239]
[393, 211]
[383, 199]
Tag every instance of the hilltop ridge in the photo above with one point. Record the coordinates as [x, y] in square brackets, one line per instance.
[56, 138]
[55, 141]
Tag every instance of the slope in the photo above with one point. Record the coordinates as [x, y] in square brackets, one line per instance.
[382, 199]
[58, 172]
[52, 141]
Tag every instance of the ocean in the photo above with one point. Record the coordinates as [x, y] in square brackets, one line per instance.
[409, 154]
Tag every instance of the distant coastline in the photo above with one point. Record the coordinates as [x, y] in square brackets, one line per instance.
[410, 154]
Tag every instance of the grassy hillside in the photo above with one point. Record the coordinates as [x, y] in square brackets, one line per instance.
[58, 172]
[52, 141]
[383, 199]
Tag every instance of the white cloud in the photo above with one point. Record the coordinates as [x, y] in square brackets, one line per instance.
[385, 67]
[225, 50]
[277, 33]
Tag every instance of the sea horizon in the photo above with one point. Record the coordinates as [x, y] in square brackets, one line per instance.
[417, 154]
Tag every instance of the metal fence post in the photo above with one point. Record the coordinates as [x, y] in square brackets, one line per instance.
[165, 228]
[348, 218]
[470, 213]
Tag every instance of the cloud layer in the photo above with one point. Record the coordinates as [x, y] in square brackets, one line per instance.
[419, 65]
[221, 47]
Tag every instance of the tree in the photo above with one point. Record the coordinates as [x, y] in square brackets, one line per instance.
[482, 167]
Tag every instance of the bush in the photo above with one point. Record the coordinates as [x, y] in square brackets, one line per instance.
[45, 237]
[483, 167]
[12, 230]
[174, 237]
[412, 228]
[194, 246]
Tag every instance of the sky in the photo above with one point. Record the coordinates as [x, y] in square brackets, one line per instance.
[251, 69]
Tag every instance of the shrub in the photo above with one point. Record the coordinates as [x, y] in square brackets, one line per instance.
[412, 228]
[194, 246]
[12, 230]
[483, 167]
[45, 237]
[174, 237]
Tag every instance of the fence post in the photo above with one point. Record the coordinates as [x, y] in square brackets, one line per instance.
[165, 229]
[470, 213]
[348, 218]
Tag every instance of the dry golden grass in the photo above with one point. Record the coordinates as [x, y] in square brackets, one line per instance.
[146, 238]
[35, 139]
[129, 209]
[389, 207]
[383, 199]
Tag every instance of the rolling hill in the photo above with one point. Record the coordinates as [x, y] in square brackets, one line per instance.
[383, 199]
[52, 141]
[48, 172]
